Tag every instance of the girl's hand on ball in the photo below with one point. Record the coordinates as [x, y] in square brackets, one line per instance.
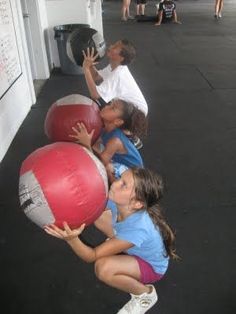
[67, 234]
[82, 136]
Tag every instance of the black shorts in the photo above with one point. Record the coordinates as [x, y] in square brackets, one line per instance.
[141, 1]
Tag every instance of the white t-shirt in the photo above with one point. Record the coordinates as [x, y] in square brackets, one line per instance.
[120, 83]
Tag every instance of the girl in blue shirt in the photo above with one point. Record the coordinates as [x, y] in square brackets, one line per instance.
[118, 152]
[140, 241]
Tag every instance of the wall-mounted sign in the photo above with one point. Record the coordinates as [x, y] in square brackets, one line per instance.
[10, 68]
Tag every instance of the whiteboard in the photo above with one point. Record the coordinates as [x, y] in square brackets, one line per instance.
[10, 67]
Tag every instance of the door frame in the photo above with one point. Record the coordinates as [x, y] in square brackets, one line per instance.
[34, 31]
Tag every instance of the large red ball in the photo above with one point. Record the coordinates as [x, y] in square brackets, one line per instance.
[66, 112]
[62, 182]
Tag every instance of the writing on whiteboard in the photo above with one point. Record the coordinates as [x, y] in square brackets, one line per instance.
[10, 68]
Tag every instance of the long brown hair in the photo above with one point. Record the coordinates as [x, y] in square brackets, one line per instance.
[149, 190]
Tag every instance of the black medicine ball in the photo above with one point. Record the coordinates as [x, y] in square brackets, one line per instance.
[81, 39]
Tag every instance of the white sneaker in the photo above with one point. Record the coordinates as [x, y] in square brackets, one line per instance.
[219, 15]
[140, 304]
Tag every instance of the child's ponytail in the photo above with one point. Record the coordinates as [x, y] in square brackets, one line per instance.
[166, 232]
[149, 190]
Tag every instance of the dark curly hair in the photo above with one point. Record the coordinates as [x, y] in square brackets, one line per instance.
[134, 119]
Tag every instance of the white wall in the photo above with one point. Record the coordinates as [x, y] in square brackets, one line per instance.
[16, 102]
[60, 12]
[96, 15]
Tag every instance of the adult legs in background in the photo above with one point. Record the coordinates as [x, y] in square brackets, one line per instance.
[125, 10]
[218, 8]
[140, 8]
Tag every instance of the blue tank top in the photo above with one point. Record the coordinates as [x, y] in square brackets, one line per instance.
[132, 158]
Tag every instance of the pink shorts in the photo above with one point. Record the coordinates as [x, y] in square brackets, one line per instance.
[148, 275]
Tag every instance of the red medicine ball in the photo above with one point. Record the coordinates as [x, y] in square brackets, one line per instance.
[66, 112]
[62, 182]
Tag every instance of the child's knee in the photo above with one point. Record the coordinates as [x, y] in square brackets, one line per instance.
[102, 269]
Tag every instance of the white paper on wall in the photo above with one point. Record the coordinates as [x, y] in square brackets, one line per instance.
[10, 68]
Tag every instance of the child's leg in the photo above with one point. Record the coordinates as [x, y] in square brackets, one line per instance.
[104, 223]
[143, 9]
[124, 9]
[121, 272]
[175, 19]
[159, 18]
[124, 273]
[220, 6]
[128, 5]
[217, 6]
